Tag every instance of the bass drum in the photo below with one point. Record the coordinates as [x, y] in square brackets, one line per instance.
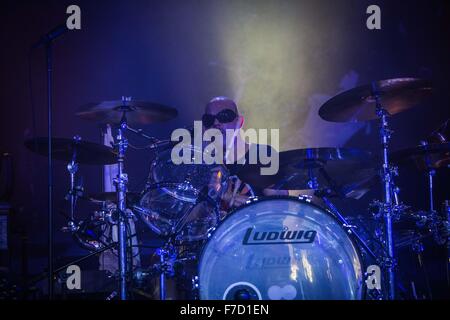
[278, 248]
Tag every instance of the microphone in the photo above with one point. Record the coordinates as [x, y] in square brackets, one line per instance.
[50, 36]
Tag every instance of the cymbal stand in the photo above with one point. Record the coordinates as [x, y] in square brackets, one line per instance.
[387, 206]
[121, 182]
[165, 267]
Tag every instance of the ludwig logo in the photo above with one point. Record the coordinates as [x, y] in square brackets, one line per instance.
[253, 237]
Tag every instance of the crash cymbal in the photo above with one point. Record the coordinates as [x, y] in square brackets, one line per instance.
[63, 149]
[137, 112]
[112, 197]
[358, 104]
[429, 156]
[332, 167]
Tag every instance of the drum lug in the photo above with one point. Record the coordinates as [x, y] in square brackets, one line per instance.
[195, 285]
[305, 197]
[349, 226]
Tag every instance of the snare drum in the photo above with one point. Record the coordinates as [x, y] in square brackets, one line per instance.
[280, 248]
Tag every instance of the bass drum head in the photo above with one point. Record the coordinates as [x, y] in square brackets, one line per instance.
[280, 248]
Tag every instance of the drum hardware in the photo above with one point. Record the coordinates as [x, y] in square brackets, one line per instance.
[123, 113]
[446, 210]
[307, 168]
[75, 152]
[88, 233]
[195, 285]
[121, 182]
[387, 208]
[164, 268]
[439, 228]
[379, 100]
[432, 154]
[142, 134]
[428, 158]
[72, 168]
[147, 215]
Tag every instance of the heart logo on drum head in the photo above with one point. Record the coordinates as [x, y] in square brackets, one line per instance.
[287, 292]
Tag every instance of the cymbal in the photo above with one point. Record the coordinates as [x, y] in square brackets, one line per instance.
[359, 104]
[137, 112]
[111, 196]
[429, 156]
[342, 166]
[63, 149]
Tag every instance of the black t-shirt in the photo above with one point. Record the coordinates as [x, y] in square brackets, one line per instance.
[251, 169]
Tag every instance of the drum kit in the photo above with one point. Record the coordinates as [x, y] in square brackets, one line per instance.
[273, 247]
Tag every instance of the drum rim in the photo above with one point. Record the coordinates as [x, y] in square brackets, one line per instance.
[300, 198]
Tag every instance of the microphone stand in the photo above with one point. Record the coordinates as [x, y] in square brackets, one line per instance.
[48, 50]
[47, 41]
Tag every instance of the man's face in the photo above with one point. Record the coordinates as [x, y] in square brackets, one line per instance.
[213, 108]
[228, 106]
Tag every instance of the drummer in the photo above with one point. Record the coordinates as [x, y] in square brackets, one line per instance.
[222, 113]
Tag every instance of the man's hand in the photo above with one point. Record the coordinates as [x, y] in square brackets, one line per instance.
[232, 198]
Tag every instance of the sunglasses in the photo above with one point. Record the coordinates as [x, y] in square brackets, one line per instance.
[224, 116]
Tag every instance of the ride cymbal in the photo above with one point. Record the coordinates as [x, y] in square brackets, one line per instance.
[359, 104]
[136, 112]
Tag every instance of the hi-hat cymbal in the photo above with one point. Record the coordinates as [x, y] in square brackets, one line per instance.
[359, 104]
[429, 156]
[137, 112]
[343, 166]
[112, 197]
[63, 149]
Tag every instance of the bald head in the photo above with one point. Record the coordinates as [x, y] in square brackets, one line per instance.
[217, 104]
